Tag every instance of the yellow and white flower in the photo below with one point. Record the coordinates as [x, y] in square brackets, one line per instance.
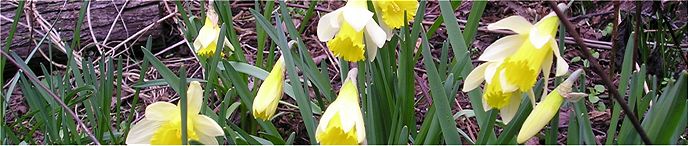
[346, 29]
[342, 123]
[270, 92]
[546, 110]
[391, 12]
[162, 122]
[207, 40]
[514, 62]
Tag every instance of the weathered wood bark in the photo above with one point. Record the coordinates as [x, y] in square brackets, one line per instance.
[135, 16]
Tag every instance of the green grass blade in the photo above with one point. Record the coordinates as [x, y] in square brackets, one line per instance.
[463, 67]
[440, 101]
[477, 8]
[622, 88]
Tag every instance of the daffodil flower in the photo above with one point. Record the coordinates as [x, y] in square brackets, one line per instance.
[346, 29]
[342, 122]
[207, 40]
[270, 92]
[162, 123]
[546, 110]
[514, 62]
[391, 12]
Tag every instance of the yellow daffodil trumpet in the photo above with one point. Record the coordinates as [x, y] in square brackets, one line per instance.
[162, 123]
[346, 29]
[546, 110]
[270, 92]
[206, 42]
[392, 13]
[342, 122]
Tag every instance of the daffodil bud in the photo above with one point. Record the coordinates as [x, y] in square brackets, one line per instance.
[342, 122]
[270, 92]
[546, 110]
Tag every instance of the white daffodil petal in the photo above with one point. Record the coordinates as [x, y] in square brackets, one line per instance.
[347, 123]
[161, 111]
[142, 132]
[208, 140]
[532, 97]
[207, 126]
[561, 67]
[508, 112]
[194, 97]
[360, 130]
[371, 49]
[546, 67]
[197, 45]
[375, 33]
[387, 29]
[544, 31]
[357, 17]
[515, 23]
[491, 69]
[328, 26]
[327, 116]
[486, 107]
[475, 78]
[207, 35]
[502, 48]
[537, 39]
[506, 86]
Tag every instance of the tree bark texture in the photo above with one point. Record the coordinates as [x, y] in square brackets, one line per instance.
[136, 16]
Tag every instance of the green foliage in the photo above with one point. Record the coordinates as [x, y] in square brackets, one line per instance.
[387, 87]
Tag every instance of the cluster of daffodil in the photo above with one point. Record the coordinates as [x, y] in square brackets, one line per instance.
[514, 62]
[346, 29]
[162, 122]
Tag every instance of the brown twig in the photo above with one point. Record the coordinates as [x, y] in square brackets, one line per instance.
[613, 38]
[57, 99]
[598, 69]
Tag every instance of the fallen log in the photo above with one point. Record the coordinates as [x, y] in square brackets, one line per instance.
[110, 22]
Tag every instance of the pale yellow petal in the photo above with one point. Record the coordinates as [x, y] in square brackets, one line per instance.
[375, 38]
[357, 17]
[491, 69]
[502, 48]
[561, 67]
[371, 49]
[270, 92]
[505, 85]
[360, 128]
[208, 140]
[328, 26]
[161, 111]
[508, 112]
[475, 78]
[540, 116]
[376, 33]
[194, 97]
[546, 67]
[543, 31]
[142, 131]
[486, 107]
[207, 126]
[207, 34]
[515, 23]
